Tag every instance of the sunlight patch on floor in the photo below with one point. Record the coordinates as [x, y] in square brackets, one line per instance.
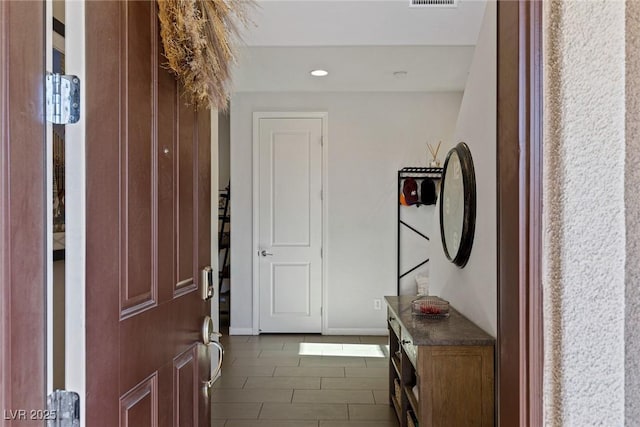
[344, 350]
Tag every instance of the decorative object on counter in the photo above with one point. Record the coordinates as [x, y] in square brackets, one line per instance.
[430, 306]
[422, 284]
[458, 205]
[198, 37]
[434, 162]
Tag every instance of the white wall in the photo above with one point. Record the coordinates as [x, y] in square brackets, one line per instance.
[473, 289]
[584, 214]
[371, 136]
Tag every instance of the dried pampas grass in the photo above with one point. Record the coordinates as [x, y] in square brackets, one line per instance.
[198, 38]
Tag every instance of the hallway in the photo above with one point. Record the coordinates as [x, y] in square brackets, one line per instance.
[303, 381]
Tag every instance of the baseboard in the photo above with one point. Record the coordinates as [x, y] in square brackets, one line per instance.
[240, 331]
[329, 331]
[356, 331]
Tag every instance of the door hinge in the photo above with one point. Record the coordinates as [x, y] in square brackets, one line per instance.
[321, 195]
[320, 311]
[63, 98]
[322, 141]
[320, 252]
[63, 409]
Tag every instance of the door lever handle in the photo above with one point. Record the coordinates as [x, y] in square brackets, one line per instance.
[265, 253]
[208, 339]
[208, 384]
[208, 333]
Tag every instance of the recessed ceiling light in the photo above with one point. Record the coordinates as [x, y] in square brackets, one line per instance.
[319, 73]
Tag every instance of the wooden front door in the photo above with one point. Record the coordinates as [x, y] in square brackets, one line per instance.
[148, 228]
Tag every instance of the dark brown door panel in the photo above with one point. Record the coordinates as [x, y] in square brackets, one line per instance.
[148, 228]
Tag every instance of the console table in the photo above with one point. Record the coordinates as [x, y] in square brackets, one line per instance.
[441, 371]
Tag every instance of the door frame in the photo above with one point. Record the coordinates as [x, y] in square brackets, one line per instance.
[23, 212]
[324, 116]
[520, 351]
[76, 215]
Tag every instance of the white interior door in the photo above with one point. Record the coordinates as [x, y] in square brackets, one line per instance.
[290, 224]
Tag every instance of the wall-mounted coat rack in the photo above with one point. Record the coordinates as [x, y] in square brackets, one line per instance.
[416, 173]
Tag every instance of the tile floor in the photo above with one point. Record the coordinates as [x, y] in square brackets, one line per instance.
[303, 381]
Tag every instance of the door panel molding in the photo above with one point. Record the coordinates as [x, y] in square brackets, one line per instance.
[167, 137]
[203, 205]
[276, 151]
[282, 266]
[138, 146]
[139, 406]
[185, 383]
[186, 191]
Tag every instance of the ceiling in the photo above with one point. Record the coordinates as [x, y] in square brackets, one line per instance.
[360, 42]
[362, 23]
[353, 69]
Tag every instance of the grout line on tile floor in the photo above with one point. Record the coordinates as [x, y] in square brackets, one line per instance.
[260, 411]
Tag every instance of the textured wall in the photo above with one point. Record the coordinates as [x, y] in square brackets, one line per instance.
[584, 213]
[632, 200]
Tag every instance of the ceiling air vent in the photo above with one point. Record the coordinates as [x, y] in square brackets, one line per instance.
[433, 3]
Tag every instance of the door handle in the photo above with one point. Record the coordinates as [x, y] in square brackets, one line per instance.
[265, 253]
[208, 339]
[208, 333]
[208, 384]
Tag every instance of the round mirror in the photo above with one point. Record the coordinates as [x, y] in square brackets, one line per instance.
[458, 205]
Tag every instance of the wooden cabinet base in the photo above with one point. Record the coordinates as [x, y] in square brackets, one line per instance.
[455, 381]
[456, 387]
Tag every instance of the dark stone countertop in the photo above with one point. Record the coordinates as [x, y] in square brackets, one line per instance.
[454, 330]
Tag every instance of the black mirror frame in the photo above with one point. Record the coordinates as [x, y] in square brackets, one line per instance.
[469, 217]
